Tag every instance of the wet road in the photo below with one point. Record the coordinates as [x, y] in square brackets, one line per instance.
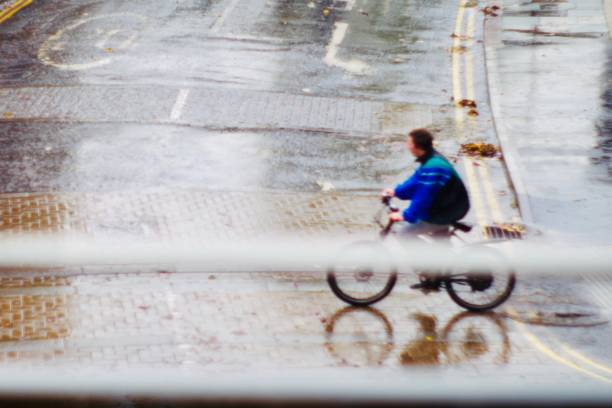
[288, 95]
[162, 119]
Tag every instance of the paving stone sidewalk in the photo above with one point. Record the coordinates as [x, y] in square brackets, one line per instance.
[181, 215]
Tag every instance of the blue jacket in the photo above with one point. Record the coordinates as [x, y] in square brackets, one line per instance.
[436, 192]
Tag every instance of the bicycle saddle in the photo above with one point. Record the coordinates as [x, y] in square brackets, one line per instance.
[462, 226]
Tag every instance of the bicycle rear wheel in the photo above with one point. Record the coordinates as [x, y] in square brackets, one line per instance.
[362, 274]
[483, 282]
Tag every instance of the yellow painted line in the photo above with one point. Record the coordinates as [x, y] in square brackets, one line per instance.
[475, 195]
[585, 359]
[544, 349]
[469, 57]
[12, 10]
[483, 170]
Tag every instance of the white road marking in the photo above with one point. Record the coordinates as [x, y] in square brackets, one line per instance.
[217, 26]
[181, 100]
[56, 42]
[353, 66]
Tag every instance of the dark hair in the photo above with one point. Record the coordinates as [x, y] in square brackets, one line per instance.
[422, 139]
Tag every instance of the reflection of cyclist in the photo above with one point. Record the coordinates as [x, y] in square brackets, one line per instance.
[437, 194]
[425, 349]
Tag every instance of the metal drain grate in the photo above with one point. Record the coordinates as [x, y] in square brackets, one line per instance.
[497, 232]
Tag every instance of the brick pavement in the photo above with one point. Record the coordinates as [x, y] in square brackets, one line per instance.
[130, 316]
[187, 214]
[239, 320]
[214, 109]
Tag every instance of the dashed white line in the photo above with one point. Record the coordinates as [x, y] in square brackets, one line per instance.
[181, 100]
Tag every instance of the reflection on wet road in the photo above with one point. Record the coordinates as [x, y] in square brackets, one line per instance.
[357, 336]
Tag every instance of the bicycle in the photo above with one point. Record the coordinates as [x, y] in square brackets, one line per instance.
[475, 289]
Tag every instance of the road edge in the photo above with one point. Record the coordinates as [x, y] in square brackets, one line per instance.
[491, 40]
[10, 11]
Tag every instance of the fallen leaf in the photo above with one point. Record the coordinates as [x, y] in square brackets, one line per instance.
[473, 112]
[8, 115]
[490, 11]
[326, 12]
[467, 103]
[479, 149]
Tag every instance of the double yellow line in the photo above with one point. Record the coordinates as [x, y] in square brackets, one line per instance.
[485, 202]
[11, 10]
[567, 356]
[486, 205]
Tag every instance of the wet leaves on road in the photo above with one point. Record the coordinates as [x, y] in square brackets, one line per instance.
[467, 103]
[490, 11]
[479, 149]
[461, 37]
[460, 49]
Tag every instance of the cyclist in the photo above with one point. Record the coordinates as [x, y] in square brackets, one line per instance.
[437, 196]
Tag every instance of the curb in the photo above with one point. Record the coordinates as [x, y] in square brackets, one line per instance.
[11, 10]
[491, 34]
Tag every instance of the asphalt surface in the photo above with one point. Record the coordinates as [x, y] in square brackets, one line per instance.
[267, 80]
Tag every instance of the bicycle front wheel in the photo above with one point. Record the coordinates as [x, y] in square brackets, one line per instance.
[362, 274]
[483, 282]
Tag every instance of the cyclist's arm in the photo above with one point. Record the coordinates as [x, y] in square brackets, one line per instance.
[405, 190]
[429, 182]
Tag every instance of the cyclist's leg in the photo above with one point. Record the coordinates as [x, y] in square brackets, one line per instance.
[410, 233]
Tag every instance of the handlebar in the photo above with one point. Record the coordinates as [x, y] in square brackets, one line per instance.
[386, 201]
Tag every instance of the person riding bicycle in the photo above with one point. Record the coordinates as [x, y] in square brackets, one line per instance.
[438, 197]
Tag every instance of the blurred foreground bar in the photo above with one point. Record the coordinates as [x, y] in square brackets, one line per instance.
[365, 387]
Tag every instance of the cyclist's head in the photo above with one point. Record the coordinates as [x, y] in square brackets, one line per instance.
[420, 142]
